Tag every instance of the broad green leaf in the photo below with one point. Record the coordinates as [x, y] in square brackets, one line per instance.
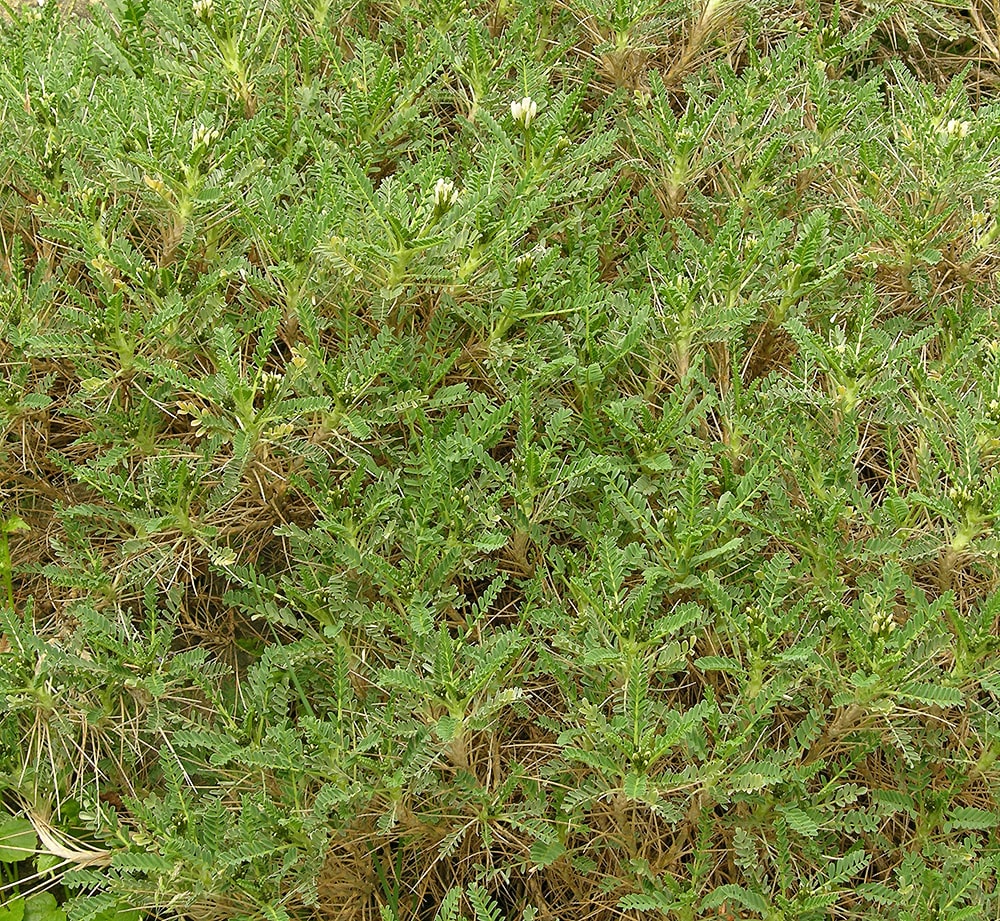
[43, 907]
[12, 910]
[18, 840]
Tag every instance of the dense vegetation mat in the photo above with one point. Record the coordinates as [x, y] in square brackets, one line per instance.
[526, 460]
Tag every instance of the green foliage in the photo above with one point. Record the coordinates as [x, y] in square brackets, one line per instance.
[496, 460]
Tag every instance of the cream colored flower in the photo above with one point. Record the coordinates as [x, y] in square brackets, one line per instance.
[524, 110]
[445, 193]
[956, 128]
[203, 137]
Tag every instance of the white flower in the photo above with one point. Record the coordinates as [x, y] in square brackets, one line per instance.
[202, 136]
[524, 110]
[956, 128]
[445, 193]
[203, 9]
[883, 624]
[527, 259]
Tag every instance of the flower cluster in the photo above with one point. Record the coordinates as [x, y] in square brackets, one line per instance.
[270, 384]
[527, 259]
[203, 9]
[882, 623]
[756, 619]
[957, 129]
[203, 137]
[445, 194]
[962, 496]
[881, 619]
[524, 110]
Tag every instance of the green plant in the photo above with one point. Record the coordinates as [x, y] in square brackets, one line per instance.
[489, 460]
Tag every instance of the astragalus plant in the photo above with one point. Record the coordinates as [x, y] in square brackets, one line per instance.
[487, 460]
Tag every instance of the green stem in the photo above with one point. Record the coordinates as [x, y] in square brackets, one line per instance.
[6, 569]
